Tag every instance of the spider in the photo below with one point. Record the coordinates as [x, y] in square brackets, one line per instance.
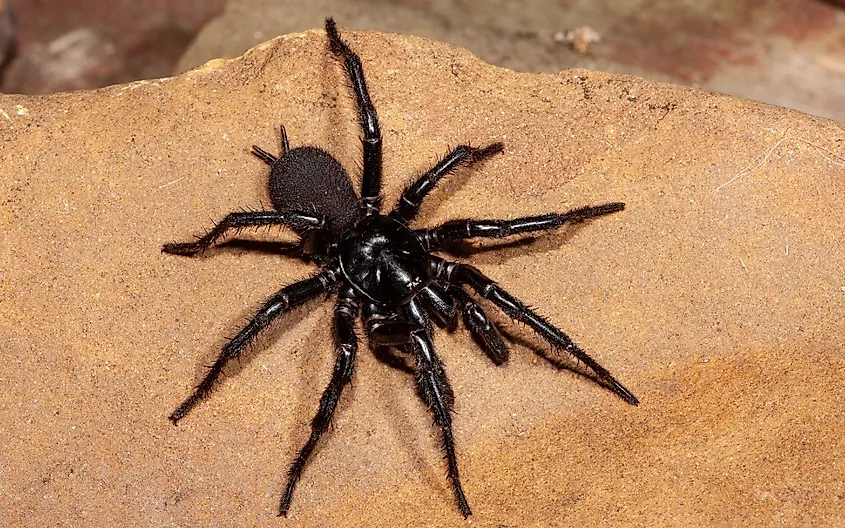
[383, 271]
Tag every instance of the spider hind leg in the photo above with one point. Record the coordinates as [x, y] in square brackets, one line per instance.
[297, 221]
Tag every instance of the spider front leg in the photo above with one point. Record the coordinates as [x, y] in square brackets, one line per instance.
[441, 304]
[345, 312]
[517, 310]
[482, 329]
[453, 230]
[436, 392]
[282, 301]
[295, 220]
[409, 203]
[367, 116]
[446, 303]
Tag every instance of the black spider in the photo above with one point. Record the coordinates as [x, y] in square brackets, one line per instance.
[384, 269]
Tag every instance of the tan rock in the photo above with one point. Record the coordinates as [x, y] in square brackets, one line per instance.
[717, 297]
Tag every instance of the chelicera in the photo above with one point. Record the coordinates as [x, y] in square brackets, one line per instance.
[384, 271]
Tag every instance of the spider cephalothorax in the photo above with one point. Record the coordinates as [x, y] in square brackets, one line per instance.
[384, 270]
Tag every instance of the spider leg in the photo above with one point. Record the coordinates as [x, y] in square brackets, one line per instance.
[345, 312]
[371, 185]
[436, 392]
[453, 230]
[441, 304]
[409, 203]
[280, 302]
[516, 309]
[268, 158]
[235, 221]
[446, 304]
[483, 331]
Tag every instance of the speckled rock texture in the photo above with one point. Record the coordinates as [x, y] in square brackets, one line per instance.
[717, 296]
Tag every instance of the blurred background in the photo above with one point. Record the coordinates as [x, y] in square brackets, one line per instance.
[785, 52]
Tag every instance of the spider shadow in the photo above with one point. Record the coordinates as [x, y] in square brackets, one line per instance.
[445, 189]
[267, 338]
[264, 247]
[389, 356]
[418, 448]
[265, 342]
[514, 333]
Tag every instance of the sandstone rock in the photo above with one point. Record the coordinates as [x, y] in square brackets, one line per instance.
[716, 296]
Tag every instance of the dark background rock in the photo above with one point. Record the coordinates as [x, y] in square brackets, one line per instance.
[80, 44]
[784, 52]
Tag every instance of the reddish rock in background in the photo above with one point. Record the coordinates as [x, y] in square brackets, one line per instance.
[8, 30]
[785, 52]
[78, 44]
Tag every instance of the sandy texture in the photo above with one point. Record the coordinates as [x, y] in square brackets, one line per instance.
[717, 297]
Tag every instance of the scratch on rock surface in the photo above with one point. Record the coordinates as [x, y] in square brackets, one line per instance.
[826, 153]
[168, 184]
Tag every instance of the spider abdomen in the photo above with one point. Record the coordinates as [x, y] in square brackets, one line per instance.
[383, 259]
[311, 179]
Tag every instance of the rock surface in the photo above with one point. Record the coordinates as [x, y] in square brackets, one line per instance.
[717, 296]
